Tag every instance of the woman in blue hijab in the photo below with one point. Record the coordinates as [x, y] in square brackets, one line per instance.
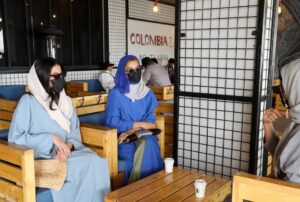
[130, 107]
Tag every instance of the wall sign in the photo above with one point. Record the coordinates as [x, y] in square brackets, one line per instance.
[148, 39]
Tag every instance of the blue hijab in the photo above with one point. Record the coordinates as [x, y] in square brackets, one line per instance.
[133, 91]
[121, 81]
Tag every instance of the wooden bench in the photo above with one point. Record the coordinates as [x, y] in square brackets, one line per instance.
[248, 187]
[166, 109]
[17, 163]
[163, 92]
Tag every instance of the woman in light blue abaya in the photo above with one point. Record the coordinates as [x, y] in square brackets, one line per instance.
[130, 107]
[45, 120]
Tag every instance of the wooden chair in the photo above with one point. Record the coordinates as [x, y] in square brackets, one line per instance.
[248, 187]
[163, 92]
[166, 110]
[17, 178]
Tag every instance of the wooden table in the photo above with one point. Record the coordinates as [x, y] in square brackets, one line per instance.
[177, 186]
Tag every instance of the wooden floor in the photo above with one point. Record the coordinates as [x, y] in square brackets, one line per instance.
[177, 186]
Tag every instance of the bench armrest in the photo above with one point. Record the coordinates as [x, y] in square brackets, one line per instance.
[103, 141]
[17, 177]
[263, 189]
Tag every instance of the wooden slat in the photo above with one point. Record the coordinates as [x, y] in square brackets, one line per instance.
[28, 176]
[263, 189]
[137, 185]
[169, 130]
[4, 124]
[10, 192]
[90, 109]
[173, 187]
[169, 120]
[77, 86]
[7, 105]
[11, 173]
[217, 190]
[153, 187]
[168, 139]
[168, 150]
[11, 153]
[160, 122]
[4, 115]
[187, 191]
[89, 100]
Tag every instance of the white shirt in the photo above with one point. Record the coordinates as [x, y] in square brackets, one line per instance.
[107, 80]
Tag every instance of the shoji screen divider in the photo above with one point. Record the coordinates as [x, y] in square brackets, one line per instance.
[224, 60]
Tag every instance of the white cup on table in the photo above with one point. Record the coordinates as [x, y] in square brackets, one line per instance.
[169, 162]
[200, 186]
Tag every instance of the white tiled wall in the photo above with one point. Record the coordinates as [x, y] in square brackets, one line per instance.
[142, 9]
[15, 79]
[117, 30]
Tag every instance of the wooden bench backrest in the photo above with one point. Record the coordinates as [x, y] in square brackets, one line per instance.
[263, 189]
[73, 87]
[90, 104]
[163, 92]
[166, 110]
[7, 108]
[17, 179]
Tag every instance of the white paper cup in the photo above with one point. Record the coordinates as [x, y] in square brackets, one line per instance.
[200, 186]
[169, 162]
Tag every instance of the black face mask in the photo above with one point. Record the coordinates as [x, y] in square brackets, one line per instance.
[134, 76]
[58, 85]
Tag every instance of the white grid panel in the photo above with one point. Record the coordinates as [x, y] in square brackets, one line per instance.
[117, 30]
[214, 136]
[217, 55]
[142, 9]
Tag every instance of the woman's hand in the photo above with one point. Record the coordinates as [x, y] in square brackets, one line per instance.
[145, 125]
[126, 134]
[123, 136]
[60, 155]
[61, 145]
[269, 117]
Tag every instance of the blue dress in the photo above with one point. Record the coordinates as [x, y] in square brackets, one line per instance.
[87, 175]
[121, 113]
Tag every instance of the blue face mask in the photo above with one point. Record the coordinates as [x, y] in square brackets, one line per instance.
[134, 76]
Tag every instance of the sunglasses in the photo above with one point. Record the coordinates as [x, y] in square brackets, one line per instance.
[58, 76]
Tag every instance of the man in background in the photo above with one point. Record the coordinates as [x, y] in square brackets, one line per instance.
[155, 74]
[106, 77]
[170, 67]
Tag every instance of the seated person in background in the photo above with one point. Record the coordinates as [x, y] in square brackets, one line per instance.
[45, 120]
[155, 74]
[106, 77]
[154, 60]
[286, 151]
[130, 107]
[170, 69]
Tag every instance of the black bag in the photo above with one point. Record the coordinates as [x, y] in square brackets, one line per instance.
[139, 134]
